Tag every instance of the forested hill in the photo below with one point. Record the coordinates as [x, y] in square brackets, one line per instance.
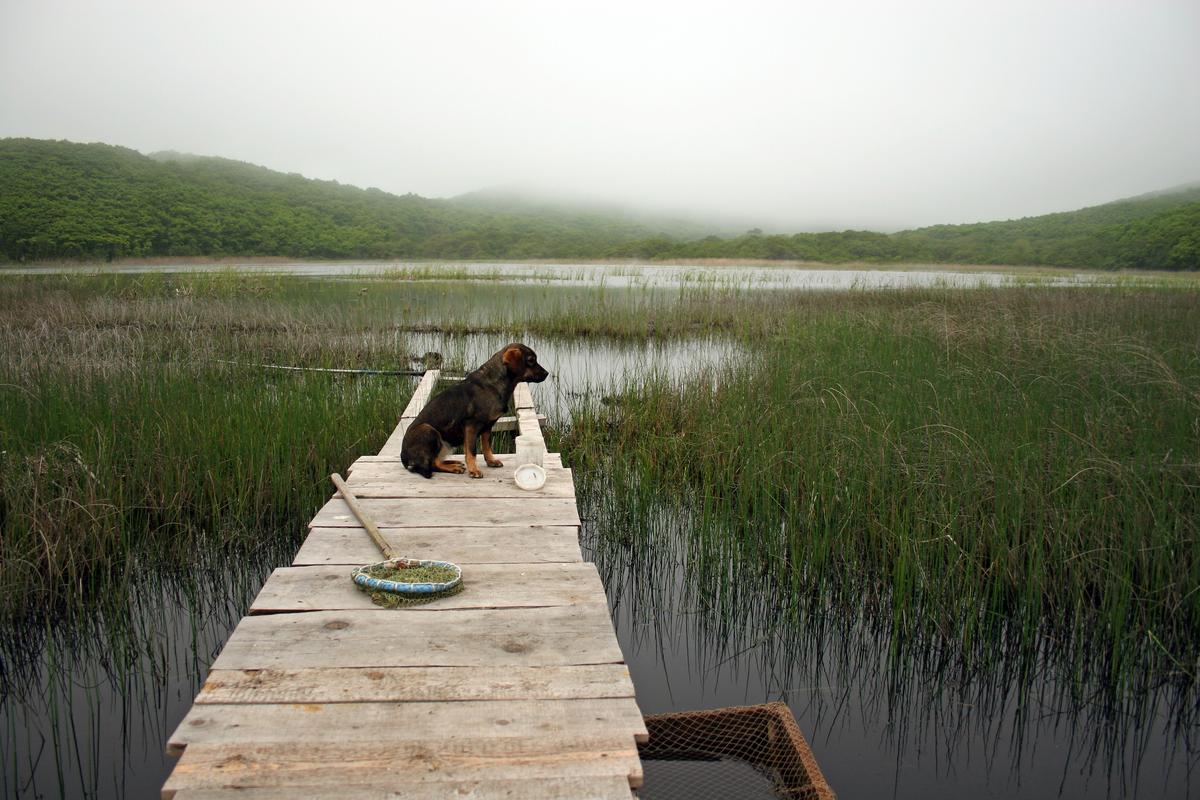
[60, 200]
[65, 200]
[1160, 230]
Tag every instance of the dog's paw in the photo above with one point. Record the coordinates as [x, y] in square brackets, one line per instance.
[457, 467]
[494, 462]
[475, 473]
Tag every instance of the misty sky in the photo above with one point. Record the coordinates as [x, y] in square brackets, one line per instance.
[790, 115]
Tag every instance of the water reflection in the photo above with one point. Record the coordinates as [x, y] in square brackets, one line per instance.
[580, 369]
[885, 715]
[87, 706]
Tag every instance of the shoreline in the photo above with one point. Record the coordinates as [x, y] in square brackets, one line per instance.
[906, 266]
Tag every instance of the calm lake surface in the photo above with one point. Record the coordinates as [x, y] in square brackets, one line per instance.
[616, 276]
[86, 712]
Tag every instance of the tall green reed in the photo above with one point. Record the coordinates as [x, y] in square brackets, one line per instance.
[973, 469]
[127, 443]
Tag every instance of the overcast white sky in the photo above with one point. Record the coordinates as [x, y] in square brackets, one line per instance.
[795, 115]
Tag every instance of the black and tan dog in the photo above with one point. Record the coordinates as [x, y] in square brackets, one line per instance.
[466, 412]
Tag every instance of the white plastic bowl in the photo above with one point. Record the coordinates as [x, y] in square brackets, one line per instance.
[529, 477]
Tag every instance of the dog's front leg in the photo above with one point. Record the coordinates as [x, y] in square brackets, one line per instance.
[470, 432]
[488, 455]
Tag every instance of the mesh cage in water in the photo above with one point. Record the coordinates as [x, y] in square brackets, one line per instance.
[744, 752]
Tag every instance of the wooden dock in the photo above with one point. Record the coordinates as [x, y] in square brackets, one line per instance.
[515, 687]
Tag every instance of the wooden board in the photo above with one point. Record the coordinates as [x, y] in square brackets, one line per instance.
[463, 546]
[291, 589]
[529, 424]
[395, 441]
[437, 512]
[394, 481]
[510, 423]
[549, 459]
[408, 684]
[495, 728]
[599, 787]
[550, 636]
[522, 396]
[420, 397]
[331, 764]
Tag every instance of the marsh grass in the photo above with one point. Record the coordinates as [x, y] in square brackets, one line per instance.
[88, 706]
[976, 465]
[974, 488]
[841, 665]
[975, 471]
[125, 447]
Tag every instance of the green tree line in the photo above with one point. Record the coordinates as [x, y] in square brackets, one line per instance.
[61, 200]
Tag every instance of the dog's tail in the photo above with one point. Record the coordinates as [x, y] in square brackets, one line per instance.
[417, 452]
[424, 472]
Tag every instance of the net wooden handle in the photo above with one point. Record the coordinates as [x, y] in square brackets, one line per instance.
[362, 517]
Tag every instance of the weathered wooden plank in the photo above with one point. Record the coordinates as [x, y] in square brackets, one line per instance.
[420, 397]
[382, 460]
[598, 787]
[516, 727]
[551, 636]
[529, 424]
[510, 423]
[522, 396]
[465, 512]
[328, 588]
[394, 481]
[412, 684]
[332, 764]
[395, 441]
[550, 459]
[463, 546]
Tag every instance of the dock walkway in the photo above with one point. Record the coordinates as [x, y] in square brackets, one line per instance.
[515, 687]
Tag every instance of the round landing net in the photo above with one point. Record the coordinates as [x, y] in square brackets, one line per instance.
[744, 752]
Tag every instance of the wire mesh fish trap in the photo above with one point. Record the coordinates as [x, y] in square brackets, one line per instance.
[744, 752]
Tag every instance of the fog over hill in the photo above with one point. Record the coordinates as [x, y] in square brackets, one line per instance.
[785, 116]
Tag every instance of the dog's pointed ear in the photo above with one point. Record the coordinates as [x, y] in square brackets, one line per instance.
[513, 359]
